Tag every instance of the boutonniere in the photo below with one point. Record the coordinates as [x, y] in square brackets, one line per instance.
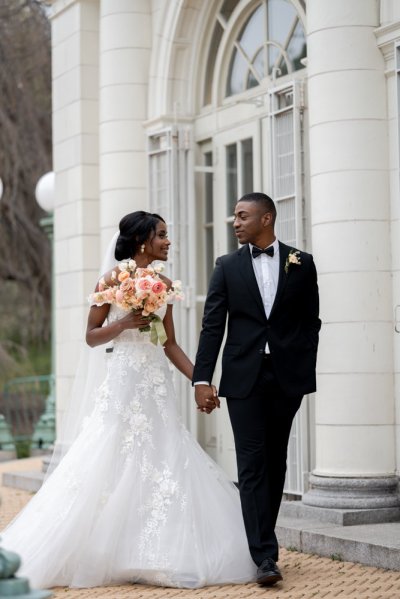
[293, 258]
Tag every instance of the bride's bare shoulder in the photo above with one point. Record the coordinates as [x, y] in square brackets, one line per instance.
[109, 279]
[166, 280]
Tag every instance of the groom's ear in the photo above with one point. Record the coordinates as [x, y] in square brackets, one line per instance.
[267, 219]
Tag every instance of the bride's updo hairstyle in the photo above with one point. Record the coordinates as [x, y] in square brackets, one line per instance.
[134, 229]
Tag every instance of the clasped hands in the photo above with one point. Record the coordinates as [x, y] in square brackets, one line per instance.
[206, 397]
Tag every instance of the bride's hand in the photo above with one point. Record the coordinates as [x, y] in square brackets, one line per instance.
[216, 398]
[135, 320]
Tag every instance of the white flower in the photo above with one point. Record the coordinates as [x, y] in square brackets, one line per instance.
[113, 274]
[159, 268]
[293, 258]
[132, 265]
[123, 265]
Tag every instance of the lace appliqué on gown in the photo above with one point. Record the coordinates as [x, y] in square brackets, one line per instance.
[135, 498]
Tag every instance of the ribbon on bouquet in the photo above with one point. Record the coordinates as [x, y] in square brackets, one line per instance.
[157, 331]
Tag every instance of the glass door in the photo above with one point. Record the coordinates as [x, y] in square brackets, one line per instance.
[235, 171]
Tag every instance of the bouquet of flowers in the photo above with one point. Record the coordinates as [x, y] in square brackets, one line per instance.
[139, 289]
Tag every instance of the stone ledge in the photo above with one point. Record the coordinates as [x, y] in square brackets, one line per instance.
[341, 517]
[26, 481]
[376, 545]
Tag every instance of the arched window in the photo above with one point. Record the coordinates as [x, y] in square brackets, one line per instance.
[272, 43]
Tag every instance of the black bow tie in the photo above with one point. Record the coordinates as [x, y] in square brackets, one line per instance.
[257, 251]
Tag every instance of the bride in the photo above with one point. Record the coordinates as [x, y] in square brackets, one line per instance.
[134, 499]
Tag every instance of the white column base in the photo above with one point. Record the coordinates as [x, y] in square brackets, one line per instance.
[353, 493]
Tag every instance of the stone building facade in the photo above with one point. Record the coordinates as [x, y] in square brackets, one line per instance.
[180, 107]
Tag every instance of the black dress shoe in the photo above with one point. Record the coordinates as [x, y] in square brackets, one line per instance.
[268, 573]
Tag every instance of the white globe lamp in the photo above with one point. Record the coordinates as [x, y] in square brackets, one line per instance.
[44, 191]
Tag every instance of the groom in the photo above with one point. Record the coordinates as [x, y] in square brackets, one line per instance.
[269, 293]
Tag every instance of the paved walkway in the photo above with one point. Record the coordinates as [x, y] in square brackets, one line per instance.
[305, 576]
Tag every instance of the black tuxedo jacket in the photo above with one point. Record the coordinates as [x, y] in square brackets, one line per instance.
[291, 329]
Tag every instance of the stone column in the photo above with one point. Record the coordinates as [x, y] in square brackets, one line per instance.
[75, 162]
[125, 47]
[355, 436]
[387, 38]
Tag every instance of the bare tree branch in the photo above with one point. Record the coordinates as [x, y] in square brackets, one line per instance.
[25, 155]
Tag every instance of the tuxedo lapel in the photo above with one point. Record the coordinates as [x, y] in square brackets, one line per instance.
[283, 254]
[247, 271]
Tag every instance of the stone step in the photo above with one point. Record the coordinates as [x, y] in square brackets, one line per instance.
[375, 545]
[26, 481]
[347, 517]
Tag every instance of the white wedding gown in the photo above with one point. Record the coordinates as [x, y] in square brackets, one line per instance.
[135, 499]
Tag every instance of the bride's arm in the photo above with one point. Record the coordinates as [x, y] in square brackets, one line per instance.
[96, 334]
[172, 350]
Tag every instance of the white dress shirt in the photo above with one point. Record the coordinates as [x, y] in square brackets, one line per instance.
[266, 269]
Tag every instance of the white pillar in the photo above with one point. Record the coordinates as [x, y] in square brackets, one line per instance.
[355, 437]
[388, 42]
[75, 162]
[125, 47]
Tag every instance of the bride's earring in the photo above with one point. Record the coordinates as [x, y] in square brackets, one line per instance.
[142, 248]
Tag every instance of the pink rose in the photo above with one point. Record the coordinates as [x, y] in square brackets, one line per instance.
[127, 285]
[123, 275]
[119, 296]
[143, 284]
[158, 287]
[149, 308]
[109, 295]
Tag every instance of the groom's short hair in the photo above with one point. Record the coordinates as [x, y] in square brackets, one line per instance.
[263, 200]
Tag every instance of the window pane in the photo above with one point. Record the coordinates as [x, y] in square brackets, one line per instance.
[285, 100]
[237, 74]
[212, 54]
[251, 81]
[208, 185]
[273, 53]
[247, 166]
[283, 70]
[286, 221]
[257, 50]
[159, 184]
[297, 48]
[281, 15]
[231, 178]
[253, 33]
[284, 154]
[251, 40]
[209, 217]
[209, 253]
[258, 64]
[232, 239]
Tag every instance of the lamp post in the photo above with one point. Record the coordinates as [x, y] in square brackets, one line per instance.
[44, 433]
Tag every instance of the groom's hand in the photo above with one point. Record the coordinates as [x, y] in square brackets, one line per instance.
[206, 397]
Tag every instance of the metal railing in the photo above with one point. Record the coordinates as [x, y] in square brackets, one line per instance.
[27, 404]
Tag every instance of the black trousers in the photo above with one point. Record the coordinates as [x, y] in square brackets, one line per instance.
[261, 426]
